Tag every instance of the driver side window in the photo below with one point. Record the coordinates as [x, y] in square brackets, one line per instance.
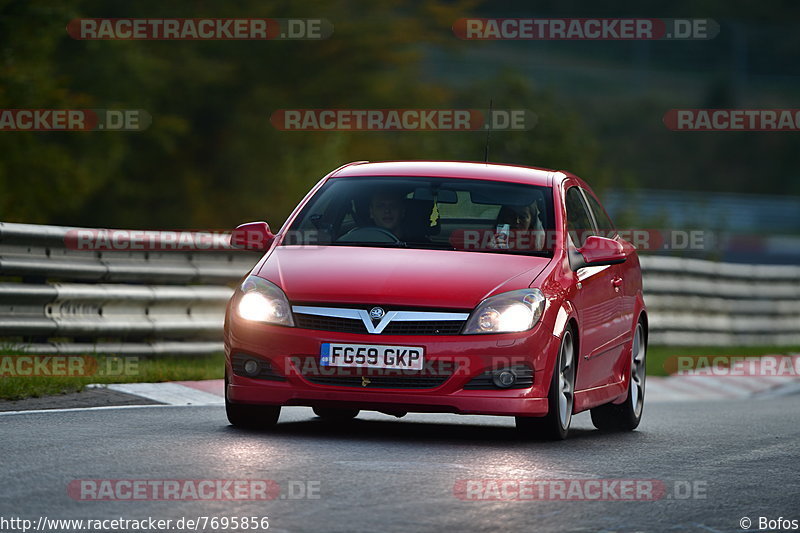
[579, 223]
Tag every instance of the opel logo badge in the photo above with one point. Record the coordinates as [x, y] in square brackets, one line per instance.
[376, 313]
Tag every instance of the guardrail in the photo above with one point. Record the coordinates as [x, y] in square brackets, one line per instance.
[696, 302]
[58, 298]
[55, 298]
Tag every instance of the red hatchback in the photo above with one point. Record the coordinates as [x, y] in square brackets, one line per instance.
[446, 287]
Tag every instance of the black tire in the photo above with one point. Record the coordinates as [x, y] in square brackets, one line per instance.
[555, 424]
[626, 416]
[335, 415]
[251, 416]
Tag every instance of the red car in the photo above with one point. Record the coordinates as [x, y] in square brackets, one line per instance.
[445, 287]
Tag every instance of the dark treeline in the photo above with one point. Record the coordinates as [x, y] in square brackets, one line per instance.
[212, 159]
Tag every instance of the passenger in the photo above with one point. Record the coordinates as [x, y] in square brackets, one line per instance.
[517, 217]
[525, 224]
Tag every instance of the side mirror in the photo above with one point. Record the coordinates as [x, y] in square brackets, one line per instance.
[600, 251]
[252, 236]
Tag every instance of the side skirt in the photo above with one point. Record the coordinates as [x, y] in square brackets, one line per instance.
[613, 392]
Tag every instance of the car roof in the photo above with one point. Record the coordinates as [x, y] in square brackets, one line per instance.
[448, 169]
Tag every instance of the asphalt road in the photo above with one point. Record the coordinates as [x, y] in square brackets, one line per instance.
[732, 459]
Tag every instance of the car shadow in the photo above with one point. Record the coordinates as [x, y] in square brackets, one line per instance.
[418, 432]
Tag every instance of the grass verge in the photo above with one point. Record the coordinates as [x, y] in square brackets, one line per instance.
[111, 369]
[658, 355]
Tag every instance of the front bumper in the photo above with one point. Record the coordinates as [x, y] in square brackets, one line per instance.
[290, 350]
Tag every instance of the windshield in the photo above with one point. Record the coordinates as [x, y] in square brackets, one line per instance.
[437, 213]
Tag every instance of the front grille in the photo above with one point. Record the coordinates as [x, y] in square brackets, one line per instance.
[485, 382]
[437, 327]
[397, 327]
[329, 323]
[265, 370]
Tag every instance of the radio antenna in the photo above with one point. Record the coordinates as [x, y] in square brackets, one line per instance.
[488, 131]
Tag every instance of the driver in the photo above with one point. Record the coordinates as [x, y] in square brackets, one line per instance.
[387, 210]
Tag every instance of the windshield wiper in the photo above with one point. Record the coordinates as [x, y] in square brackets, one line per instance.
[538, 253]
[430, 245]
[400, 244]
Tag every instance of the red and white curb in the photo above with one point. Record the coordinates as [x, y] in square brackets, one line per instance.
[688, 388]
[208, 392]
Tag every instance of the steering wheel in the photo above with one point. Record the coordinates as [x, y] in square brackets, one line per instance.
[369, 234]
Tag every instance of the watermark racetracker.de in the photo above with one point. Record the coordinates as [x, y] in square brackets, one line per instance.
[108, 240]
[124, 240]
[764, 366]
[28, 365]
[584, 29]
[199, 29]
[74, 120]
[732, 120]
[622, 490]
[402, 119]
[99, 490]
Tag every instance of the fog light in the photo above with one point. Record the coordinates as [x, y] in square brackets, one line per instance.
[251, 367]
[504, 378]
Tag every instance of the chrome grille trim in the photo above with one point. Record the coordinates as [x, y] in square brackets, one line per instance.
[389, 317]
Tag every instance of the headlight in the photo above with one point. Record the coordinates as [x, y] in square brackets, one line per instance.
[507, 313]
[259, 300]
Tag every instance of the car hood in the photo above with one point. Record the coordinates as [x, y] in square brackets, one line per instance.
[397, 276]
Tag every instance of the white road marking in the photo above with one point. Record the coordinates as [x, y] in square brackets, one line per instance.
[78, 409]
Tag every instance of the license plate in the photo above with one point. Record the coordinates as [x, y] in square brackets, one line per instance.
[371, 356]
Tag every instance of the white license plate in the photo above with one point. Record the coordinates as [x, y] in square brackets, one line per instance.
[371, 356]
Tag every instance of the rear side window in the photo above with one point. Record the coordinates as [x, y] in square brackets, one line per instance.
[603, 222]
[579, 223]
